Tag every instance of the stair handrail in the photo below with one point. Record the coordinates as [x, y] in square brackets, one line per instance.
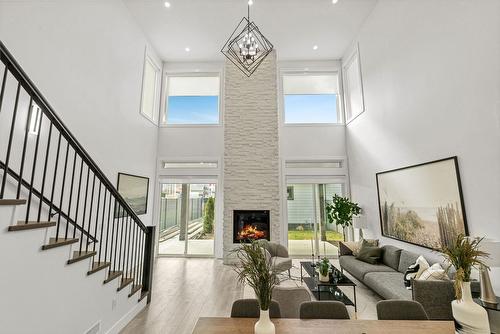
[16, 70]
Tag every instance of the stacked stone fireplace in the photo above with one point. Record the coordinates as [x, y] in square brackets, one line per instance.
[251, 148]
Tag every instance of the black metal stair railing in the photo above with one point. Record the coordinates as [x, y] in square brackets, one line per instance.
[47, 166]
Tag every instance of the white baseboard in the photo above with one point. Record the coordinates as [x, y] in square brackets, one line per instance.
[120, 324]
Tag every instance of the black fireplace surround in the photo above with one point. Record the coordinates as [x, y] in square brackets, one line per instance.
[250, 225]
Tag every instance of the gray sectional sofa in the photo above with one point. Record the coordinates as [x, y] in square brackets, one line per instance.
[386, 279]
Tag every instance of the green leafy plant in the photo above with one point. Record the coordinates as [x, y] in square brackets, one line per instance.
[256, 269]
[464, 254]
[324, 266]
[208, 216]
[341, 211]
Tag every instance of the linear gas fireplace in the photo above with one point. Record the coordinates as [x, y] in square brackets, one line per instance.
[250, 225]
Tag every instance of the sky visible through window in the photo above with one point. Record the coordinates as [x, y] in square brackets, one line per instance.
[311, 108]
[193, 110]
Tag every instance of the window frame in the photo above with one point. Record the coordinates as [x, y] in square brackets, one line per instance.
[157, 94]
[347, 63]
[164, 109]
[339, 99]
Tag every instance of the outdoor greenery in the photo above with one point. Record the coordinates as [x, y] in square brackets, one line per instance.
[341, 211]
[208, 216]
[256, 269]
[464, 254]
[308, 234]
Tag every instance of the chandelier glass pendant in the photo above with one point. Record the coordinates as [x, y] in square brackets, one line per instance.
[247, 47]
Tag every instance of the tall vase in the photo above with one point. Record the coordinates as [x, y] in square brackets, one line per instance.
[264, 325]
[471, 317]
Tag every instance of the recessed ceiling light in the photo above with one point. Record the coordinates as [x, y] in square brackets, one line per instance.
[250, 2]
[167, 4]
[187, 49]
[335, 1]
[315, 47]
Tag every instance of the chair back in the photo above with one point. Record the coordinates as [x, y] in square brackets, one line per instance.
[290, 299]
[323, 310]
[249, 308]
[400, 310]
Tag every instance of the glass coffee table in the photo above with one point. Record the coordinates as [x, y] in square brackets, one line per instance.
[327, 290]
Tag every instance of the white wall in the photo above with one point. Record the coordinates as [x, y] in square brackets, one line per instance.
[431, 82]
[87, 59]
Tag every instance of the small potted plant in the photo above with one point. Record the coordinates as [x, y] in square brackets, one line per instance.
[341, 211]
[464, 254]
[257, 270]
[323, 270]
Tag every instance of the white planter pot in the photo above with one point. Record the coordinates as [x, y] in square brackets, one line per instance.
[322, 278]
[472, 317]
[264, 325]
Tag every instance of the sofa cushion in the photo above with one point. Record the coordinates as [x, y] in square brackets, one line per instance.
[369, 254]
[391, 256]
[406, 259]
[389, 285]
[359, 268]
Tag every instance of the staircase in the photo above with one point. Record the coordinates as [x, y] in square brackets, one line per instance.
[54, 195]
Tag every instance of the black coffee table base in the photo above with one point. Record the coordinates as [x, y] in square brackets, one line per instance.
[327, 290]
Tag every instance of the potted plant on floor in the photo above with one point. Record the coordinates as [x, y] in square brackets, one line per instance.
[256, 269]
[464, 254]
[323, 270]
[341, 211]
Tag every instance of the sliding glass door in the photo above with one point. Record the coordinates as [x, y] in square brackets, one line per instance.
[308, 229]
[187, 219]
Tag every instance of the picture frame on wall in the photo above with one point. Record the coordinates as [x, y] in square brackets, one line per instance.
[135, 190]
[422, 204]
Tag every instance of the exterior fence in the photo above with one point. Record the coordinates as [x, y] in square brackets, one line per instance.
[170, 211]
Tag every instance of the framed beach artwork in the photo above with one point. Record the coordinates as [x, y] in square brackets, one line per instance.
[422, 204]
[134, 189]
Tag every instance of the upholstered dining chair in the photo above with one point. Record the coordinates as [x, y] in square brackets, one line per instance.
[249, 308]
[323, 310]
[400, 310]
[279, 256]
[289, 299]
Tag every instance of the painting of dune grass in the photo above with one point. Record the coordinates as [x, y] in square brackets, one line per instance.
[422, 204]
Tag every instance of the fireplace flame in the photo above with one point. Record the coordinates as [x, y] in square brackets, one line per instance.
[250, 232]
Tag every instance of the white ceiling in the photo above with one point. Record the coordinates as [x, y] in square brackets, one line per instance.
[293, 26]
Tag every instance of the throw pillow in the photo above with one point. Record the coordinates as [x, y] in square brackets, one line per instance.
[353, 247]
[369, 254]
[423, 265]
[434, 273]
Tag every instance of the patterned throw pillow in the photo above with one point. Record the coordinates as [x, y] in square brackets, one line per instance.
[434, 273]
[423, 266]
[355, 246]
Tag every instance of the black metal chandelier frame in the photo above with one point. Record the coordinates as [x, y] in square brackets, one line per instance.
[232, 50]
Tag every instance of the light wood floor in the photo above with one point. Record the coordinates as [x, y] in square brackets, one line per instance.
[186, 289]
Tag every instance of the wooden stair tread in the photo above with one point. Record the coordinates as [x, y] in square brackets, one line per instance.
[12, 201]
[112, 275]
[125, 281]
[60, 242]
[135, 288]
[97, 266]
[144, 294]
[78, 256]
[30, 225]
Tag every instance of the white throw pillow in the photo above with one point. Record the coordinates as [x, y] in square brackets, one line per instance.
[423, 266]
[434, 273]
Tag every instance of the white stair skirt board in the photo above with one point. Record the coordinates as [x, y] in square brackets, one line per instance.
[55, 296]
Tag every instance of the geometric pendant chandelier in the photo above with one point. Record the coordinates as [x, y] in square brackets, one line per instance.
[247, 47]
